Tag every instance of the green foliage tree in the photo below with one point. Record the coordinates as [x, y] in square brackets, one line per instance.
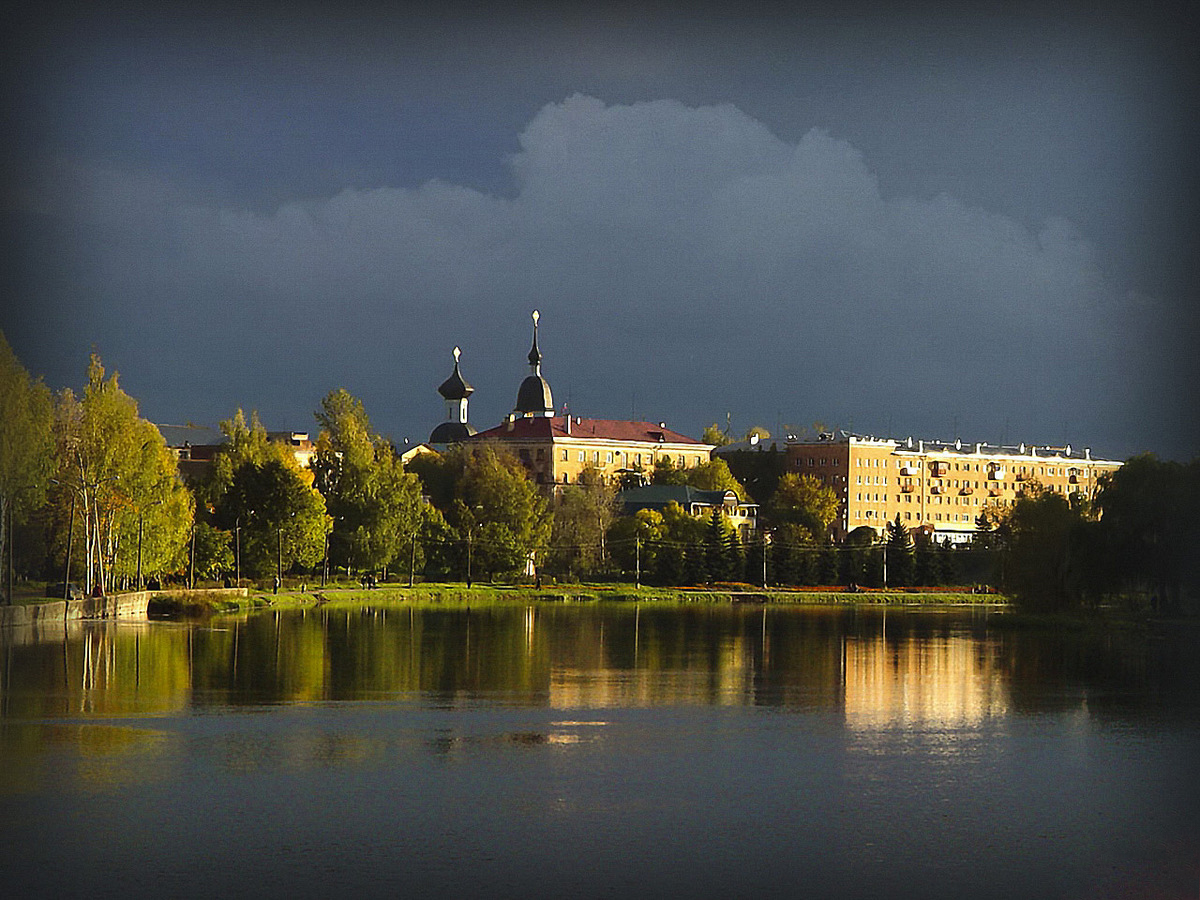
[714, 475]
[634, 542]
[1041, 569]
[26, 447]
[680, 551]
[374, 504]
[1148, 529]
[214, 552]
[665, 472]
[803, 501]
[715, 436]
[901, 554]
[582, 517]
[260, 493]
[863, 561]
[115, 471]
[282, 520]
[718, 558]
[498, 509]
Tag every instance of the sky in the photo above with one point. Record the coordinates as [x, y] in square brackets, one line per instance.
[895, 219]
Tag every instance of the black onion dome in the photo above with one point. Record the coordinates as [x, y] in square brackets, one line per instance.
[534, 396]
[451, 433]
[455, 387]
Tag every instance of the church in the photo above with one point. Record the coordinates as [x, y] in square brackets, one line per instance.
[557, 448]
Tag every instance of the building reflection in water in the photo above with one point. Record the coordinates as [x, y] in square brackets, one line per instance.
[948, 681]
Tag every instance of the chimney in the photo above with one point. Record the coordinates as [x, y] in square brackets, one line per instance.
[510, 421]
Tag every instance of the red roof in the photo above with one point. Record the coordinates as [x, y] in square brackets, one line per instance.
[555, 428]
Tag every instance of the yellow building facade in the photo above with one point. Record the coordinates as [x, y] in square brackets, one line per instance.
[557, 448]
[938, 486]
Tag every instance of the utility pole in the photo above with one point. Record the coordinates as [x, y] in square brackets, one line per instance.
[412, 560]
[764, 562]
[637, 578]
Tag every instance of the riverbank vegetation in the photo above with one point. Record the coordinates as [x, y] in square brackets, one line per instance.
[90, 493]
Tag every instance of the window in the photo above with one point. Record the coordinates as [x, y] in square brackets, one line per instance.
[583, 456]
[608, 457]
[681, 462]
[541, 453]
[596, 457]
[564, 456]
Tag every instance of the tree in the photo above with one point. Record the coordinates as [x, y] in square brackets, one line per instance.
[714, 475]
[375, 505]
[681, 549]
[26, 446]
[1148, 528]
[804, 501]
[258, 490]
[116, 473]
[497, 509]
[901, 554]
[666, 473]
[1041, 570]
[581, 520]
[634, 542]
[722, 560]
[282, 520]
[715, 436]
[862, 565]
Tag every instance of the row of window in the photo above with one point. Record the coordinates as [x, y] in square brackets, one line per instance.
[873, 463]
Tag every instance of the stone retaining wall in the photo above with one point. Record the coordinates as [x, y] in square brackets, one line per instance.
[115, 606]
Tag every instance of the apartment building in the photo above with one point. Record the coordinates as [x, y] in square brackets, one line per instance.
[938, 486]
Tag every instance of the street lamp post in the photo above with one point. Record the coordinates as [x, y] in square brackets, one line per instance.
[237, 549]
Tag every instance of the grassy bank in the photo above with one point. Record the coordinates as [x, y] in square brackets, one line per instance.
[458, 594]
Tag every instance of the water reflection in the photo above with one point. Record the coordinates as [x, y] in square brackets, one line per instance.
[881, 669]
[949, 681]
[598, 750]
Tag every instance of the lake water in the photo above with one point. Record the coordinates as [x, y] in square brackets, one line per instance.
[600, 751]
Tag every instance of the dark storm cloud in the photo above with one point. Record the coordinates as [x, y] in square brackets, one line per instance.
[910, 224]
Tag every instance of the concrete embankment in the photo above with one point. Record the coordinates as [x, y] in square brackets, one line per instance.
[115, 606]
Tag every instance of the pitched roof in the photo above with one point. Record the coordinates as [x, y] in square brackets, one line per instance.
[657, 496]
[556, 428]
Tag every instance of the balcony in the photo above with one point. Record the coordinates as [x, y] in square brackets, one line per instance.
[938, 469]
[994, 492]
[966, 489]
[908, 470]
[996, 473]
[906, 488]
[936, 489]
